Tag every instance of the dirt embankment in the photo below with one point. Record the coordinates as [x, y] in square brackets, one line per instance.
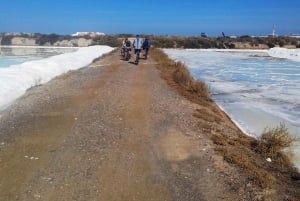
[117, 131]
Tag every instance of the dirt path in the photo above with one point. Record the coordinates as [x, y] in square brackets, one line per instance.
[114, 131]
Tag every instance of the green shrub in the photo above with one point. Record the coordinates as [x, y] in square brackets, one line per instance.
[271, 45]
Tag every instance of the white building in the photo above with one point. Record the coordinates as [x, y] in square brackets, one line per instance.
[92, 34]
[295, 35]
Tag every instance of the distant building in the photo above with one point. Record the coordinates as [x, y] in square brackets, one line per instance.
[18, 34]
[91, 34]
[294, 35]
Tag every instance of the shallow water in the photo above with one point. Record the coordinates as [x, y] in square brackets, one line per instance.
[12, 55]
[257, 91]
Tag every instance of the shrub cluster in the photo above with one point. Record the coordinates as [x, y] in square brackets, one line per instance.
[109, 40]
[42, 39]
[272, 142]
[220, 42]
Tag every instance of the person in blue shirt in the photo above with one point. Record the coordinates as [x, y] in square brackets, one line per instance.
[146, 46]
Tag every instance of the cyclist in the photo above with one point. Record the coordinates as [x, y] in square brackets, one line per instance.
[137, 45]
[127, 48]
[123, 48]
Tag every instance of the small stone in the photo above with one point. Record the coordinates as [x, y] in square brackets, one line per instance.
[75, 118]
[31, 158]
[37, 196]
[47, 179]
[269, 160]
[26, 156]
[2, 143]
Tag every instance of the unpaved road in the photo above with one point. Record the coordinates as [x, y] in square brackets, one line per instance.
[113, 131]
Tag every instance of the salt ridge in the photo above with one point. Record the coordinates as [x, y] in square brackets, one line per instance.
[15, 80]
[284, 53]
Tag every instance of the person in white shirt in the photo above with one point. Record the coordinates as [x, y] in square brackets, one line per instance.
[137, 45]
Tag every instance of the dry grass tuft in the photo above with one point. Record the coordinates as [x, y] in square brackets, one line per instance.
[207, 115]
[274, 141]
[177, 76]
[238, 151]
[249, 164]
[250, 156]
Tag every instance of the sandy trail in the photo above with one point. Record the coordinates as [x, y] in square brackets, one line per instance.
[114, 131]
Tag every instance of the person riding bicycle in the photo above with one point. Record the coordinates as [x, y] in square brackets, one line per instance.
[137, 45]
[123, 48]
[127, 48]
[146, 46]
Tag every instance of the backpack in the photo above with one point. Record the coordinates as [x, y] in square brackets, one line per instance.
[127, 44]
[146, 44]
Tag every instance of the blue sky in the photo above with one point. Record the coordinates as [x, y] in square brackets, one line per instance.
[159, 17]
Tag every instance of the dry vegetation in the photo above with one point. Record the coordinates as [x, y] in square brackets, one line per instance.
[177, 75]
[246, 153]
[274, 141]
[223, 42]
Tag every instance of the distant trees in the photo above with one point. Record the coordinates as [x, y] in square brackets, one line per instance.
[163, 42]
[109, 40]
[43, 39]
[192, 42]
[223, 42]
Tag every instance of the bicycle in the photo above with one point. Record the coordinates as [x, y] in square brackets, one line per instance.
[122, 52]
[127, 54]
